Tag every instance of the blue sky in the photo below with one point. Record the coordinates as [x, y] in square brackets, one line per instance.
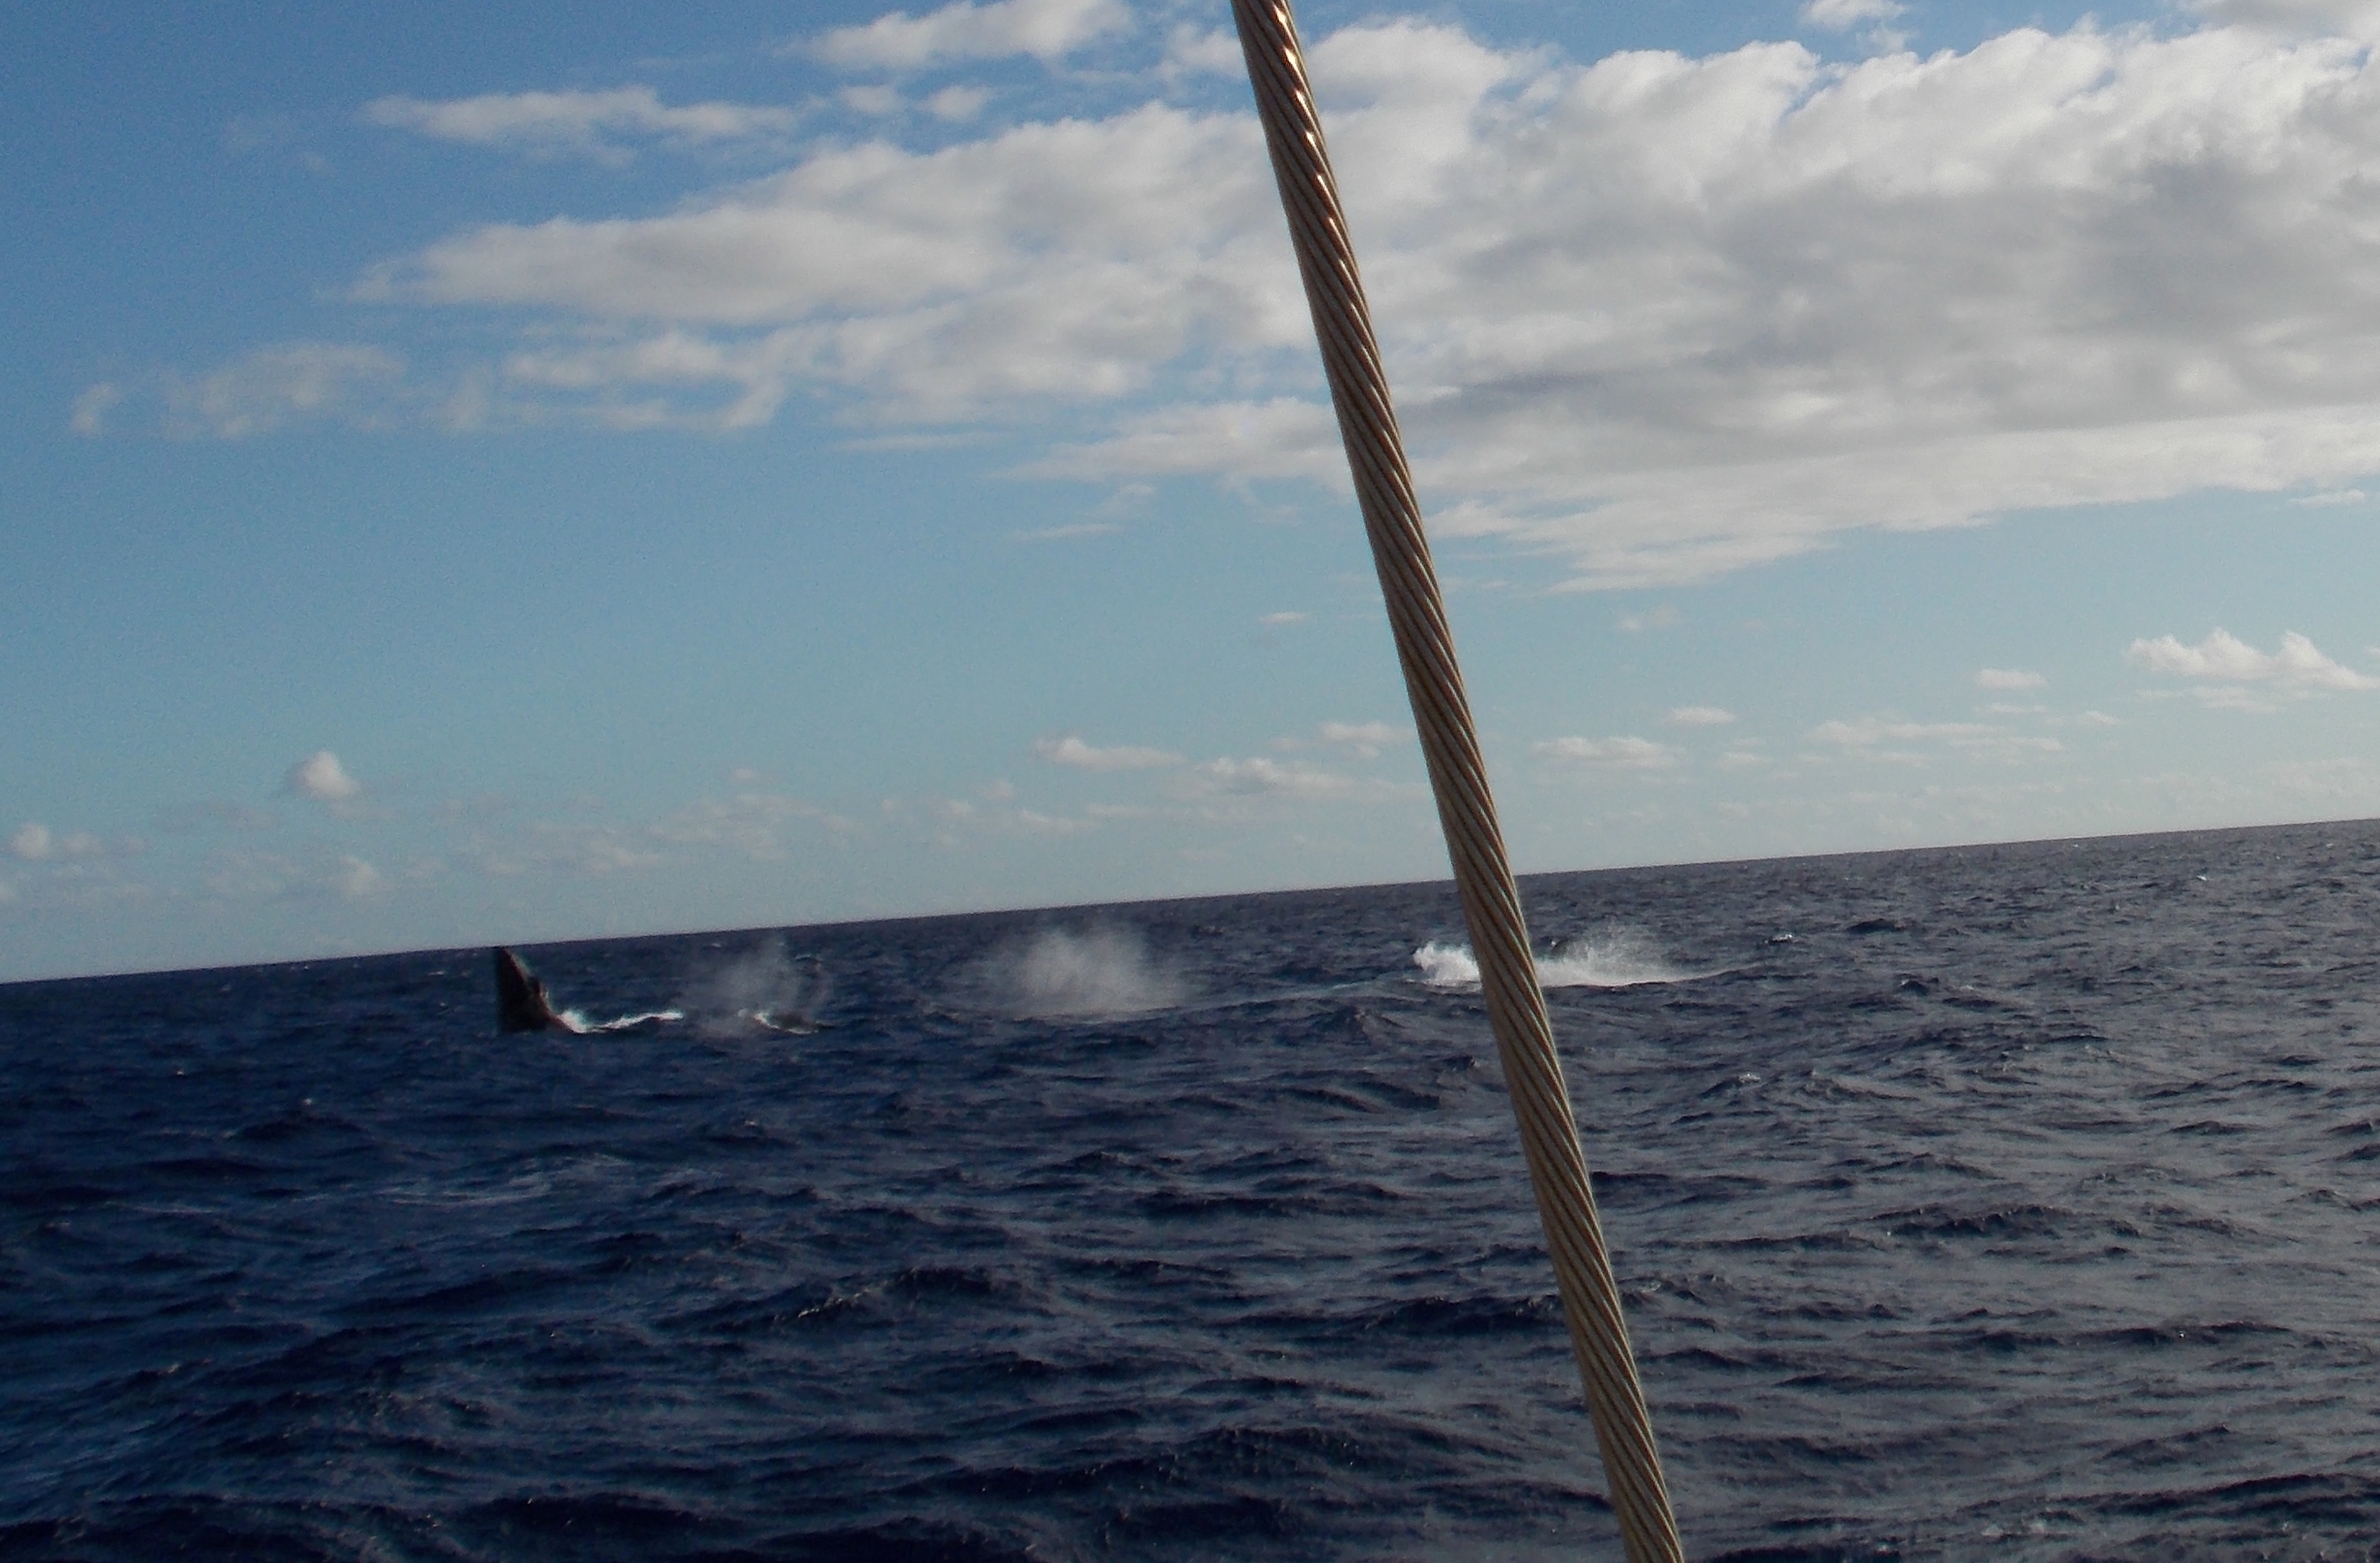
[473, 475]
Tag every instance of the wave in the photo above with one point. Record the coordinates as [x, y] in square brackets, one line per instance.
[1618, 958]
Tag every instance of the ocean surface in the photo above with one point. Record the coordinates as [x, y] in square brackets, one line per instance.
[2010, 1202]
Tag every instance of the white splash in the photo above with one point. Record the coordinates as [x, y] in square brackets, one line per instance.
[638, 1022]
[1615, 958]
[1447, 965]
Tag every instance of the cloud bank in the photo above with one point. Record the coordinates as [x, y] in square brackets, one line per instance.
[1651, 319]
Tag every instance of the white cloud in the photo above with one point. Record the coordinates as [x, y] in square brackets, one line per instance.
[1660, 618]
[1756, 256]
[1879, 738]
[1841, 15]
[587, 123]
[1284, 437]
[1266, 778]
[1623, 753]
[90, 409]
[874, 98]
[1365, 738]
[240, 873]
[1067, 533]
[957, 102]
[1071, 750]
[1869, 730]
[2331, 497]
[749, 824]
[1047, 263]
[35, 842]
[2222, 659]
[1652, 319]
[1700, 716]
[1282, 619]
[1033, 823]
[289, 382]
[2009, 678]
[2295, 18]
[1045, 28]
[549, 847]
[1191, 50]
[319, 776]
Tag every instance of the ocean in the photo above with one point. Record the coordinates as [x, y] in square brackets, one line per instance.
[2003, 1201]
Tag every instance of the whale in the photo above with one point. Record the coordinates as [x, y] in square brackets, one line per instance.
[521, 1003]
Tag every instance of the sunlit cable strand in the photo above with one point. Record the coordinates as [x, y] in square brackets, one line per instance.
[1499, 939]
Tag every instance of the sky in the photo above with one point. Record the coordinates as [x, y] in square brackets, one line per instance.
[470, 473]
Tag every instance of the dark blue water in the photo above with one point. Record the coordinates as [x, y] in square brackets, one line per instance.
[2024, 1204]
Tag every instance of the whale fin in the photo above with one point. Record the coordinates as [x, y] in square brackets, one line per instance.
[521, 1003]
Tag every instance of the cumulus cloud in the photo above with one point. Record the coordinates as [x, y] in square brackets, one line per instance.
[591, 123]
[1700, 716]
[1619, 753]
[1365, 739]
[1265, 778]
[1049, 263]
[1047, 29]
[289, 382]
[1191, 50]
[1653, 317]
[2296, 18]
[2222, 663]
[2007, 678]
[319, 776]
[1842, 14]
[1071, 750]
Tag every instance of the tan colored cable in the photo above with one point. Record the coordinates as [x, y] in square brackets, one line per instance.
[1491, 902]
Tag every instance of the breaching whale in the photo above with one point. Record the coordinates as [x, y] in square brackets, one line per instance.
[521, 1003]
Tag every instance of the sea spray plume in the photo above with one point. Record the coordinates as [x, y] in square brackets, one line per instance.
[763, 988]
[1099, 971]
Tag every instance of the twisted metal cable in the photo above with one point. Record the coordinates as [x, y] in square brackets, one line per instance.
[1466, 811]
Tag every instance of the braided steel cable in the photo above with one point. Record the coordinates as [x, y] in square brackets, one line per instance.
[1467, 810]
